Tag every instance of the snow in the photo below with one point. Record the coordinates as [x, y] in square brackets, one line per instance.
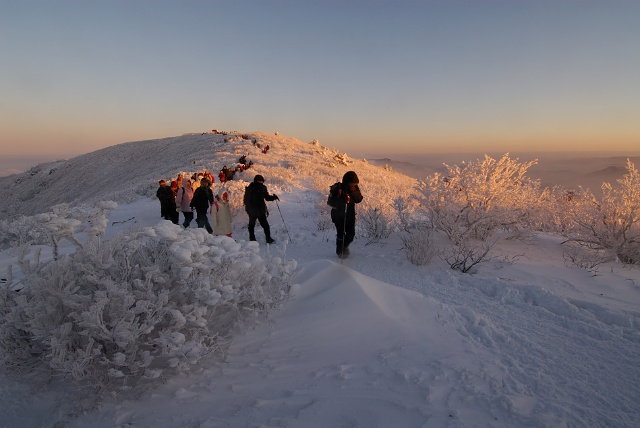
[374, 341]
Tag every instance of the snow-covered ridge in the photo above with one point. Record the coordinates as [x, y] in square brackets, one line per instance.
[128, 171]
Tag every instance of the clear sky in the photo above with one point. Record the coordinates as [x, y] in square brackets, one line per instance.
[362, 76]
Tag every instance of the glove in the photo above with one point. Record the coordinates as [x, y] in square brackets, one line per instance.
[276, 197]
[348, 198]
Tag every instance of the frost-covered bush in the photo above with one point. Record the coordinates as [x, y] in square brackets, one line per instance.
[375, 224]
[551, 210]
[24, 230]
[475, 200]
[611, 224]
[417, 234]
[403, 214]
[472, 202]
[419, 245]
[66, 223]
[464, 255]
[589, 260]
[136, 306]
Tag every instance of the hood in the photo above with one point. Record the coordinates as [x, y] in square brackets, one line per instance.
[350, 178]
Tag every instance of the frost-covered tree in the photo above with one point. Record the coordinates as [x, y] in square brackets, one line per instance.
[471, 202]
[476, 199]
[611, 224]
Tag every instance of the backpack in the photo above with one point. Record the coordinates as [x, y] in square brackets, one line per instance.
[335, 191]
[245, 198]
[179, 196]
[252, 197]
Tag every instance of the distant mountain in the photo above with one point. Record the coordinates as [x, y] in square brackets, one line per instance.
[419, 172]
[586, 172]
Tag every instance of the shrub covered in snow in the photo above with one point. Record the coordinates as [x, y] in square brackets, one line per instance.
[130, 308]
[375, 224]
[610, 225]
[418, 244]
[24, 230]
[472, 202]
[475, 200]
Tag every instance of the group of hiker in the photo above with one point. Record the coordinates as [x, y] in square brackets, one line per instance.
[195, 194]
[226, 174]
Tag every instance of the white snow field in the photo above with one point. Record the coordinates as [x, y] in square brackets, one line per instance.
[525, 340]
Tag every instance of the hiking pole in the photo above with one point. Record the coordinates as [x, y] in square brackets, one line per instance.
[283, 223]
[344, 231]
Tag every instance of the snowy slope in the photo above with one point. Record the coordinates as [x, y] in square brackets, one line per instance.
[375, 341]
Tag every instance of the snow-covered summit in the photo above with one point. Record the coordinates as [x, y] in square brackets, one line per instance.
[128, 171]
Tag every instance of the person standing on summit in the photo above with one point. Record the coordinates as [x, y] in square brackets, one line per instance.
[343, 198]
[255, 195]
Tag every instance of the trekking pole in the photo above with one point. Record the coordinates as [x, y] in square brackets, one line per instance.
[344, 232]
[283, 223]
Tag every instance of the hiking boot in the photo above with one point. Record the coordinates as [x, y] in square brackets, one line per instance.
[343, 253]
[270, 241]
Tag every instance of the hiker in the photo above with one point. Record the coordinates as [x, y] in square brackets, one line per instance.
[202, 200]
[183, 199]
[167, 200]
[343, 198]
[222, 220]
[196, 180]
[255, 195]
[175, 216]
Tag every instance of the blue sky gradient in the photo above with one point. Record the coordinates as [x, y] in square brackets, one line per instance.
[361, 76]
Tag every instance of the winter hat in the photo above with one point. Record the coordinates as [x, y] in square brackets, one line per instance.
[258, 178]
[161, 182]
[350, 178]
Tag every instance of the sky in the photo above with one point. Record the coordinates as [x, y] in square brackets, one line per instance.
[361, 76]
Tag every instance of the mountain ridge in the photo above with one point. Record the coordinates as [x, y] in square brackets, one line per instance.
[128, 171]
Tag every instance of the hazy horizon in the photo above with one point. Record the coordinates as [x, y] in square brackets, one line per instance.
[553, 167]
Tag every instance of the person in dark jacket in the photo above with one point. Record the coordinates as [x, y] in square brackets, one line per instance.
[201, 201]
[167, 201]
[255, 195]
[343, 198]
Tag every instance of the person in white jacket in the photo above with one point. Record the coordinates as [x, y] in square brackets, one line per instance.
[183, 199]
[221, 213]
